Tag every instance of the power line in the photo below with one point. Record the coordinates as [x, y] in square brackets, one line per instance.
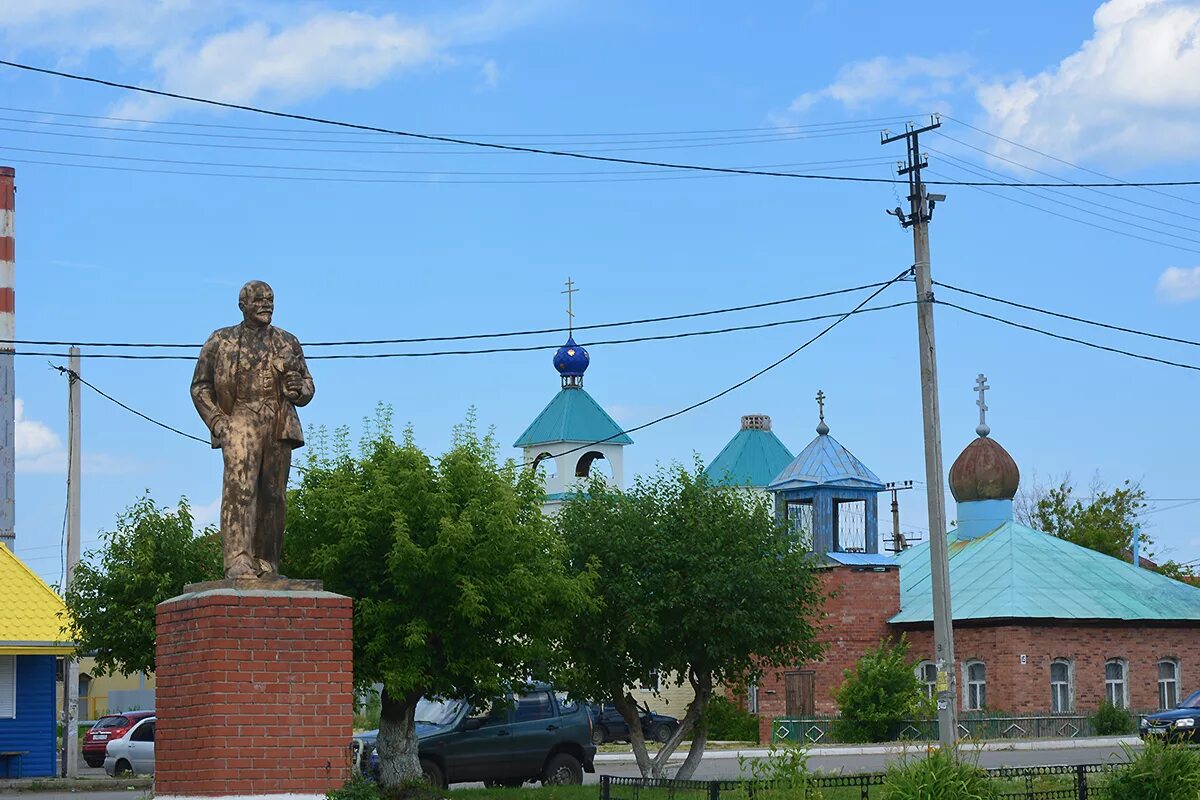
[1064, 338]
[499, 335]
[1070, 317]
[494, 350]
[1067, 163]
[842, 318]
[75, 376]
[226, 126]
[537, 150]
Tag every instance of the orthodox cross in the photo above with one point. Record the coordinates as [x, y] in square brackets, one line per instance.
[822, 428]
[981, 386]
[569, 292]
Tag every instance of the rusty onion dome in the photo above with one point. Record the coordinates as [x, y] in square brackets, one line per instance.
[984, 471]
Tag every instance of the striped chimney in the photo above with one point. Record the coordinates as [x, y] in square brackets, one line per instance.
[8, 392]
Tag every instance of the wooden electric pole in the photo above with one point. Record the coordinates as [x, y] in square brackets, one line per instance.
[920, 211]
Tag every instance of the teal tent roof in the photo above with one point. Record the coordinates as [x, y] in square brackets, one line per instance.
[572, 416]
[751, 458]
[1019, 572]
[825, 463]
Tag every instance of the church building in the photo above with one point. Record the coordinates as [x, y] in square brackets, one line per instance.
[1041, 625]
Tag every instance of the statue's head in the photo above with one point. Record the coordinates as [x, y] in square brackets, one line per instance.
[257, 302]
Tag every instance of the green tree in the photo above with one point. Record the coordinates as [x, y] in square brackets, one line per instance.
[694, 580]
[878, 694]
[1103, 522]
[148, 558]
[459, 583]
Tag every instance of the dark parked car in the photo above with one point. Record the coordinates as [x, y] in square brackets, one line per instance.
[108, 728]
[609, 726]
[1182, 722]
[539, 735]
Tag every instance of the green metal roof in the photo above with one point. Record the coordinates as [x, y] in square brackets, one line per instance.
[751, 458]
[1019, 572]
[572, 416]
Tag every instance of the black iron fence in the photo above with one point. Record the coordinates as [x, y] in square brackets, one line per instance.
[1076, 782]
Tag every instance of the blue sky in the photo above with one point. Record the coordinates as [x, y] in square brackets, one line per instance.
[121, 255]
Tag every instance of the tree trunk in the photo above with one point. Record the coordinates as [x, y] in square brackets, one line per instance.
[693, 722]
[397, 742]
[629, 712]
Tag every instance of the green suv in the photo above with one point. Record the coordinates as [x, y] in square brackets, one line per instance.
[538, 735]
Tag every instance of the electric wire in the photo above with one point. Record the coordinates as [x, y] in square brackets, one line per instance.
[499, 335]
[1065, 338]
[1053, 213]
[542, 151]
[842, 318]
[73, 375]
[494, 350]
[979, 170]
[1064, 161]
[1060, 315]
[1113, 195]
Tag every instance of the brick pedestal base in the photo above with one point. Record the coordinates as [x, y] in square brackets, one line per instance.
[254, 694]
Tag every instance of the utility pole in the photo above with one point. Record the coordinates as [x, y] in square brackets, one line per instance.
[70, 759]
[898, 543]
[920, 211]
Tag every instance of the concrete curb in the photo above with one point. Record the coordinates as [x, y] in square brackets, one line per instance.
[899, 749]
[75, 784]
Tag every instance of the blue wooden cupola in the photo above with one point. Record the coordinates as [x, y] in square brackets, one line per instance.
[828, 496]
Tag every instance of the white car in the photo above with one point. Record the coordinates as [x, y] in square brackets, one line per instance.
[133, 753]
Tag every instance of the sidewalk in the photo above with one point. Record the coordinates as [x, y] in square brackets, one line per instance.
[897, 749]
[142, 784]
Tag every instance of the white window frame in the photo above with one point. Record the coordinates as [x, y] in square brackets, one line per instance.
[1068, 687]
[979, 687]
[929, 687]
[653, 683]
[1110, 693]
[1174, 662]
[8, 687]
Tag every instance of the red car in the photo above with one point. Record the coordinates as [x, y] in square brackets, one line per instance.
[107, 728]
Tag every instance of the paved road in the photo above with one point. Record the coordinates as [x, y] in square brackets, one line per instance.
[716, 765]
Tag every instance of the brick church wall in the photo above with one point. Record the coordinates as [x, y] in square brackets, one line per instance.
[859, 602]
[1013, 687]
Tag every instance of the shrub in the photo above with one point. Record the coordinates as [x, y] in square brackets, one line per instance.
[729, 722]
[1112, 721]
[940, 775]
[357, 788]
[1161, 771]
[782, 775]
[878, 695]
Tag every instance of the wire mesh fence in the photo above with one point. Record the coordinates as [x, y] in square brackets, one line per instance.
[1074, 782]
[822, 730]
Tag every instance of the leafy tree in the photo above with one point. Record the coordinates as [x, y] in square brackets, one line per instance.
[878, 694]
[694, 580]
[458, 581]
[148, 558]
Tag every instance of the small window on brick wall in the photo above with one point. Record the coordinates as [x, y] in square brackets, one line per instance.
[927, 675]
[1116, 682]
[1168, 683]
[1062, 686]
[975, 686]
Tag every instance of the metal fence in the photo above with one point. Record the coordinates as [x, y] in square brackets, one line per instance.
[1078, 782]
[821, 730]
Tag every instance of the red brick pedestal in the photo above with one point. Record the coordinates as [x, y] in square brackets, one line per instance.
[255, 692]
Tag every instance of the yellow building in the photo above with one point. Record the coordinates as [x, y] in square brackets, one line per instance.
[108, 694]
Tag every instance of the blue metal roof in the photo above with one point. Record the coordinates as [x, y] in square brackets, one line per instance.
[572, 416]
[824, 462]
[1018, 572]
[751, 458]
[861, 559]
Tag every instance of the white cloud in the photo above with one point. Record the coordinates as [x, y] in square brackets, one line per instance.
[916, 82]
[490, 72]
[40, 450]
[1129, 92]
[1179, 285]
[34, 439]
[282, 53]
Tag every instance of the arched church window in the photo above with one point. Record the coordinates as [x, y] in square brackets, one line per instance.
[583, 468]
[1116, 682]
[1062, 689]
[1168, 683]
[927, 675]
[975, 686]
[545, 461]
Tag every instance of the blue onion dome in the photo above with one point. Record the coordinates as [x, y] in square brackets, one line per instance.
[571, 360]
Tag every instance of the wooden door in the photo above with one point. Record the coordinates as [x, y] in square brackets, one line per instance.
[800, 693]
